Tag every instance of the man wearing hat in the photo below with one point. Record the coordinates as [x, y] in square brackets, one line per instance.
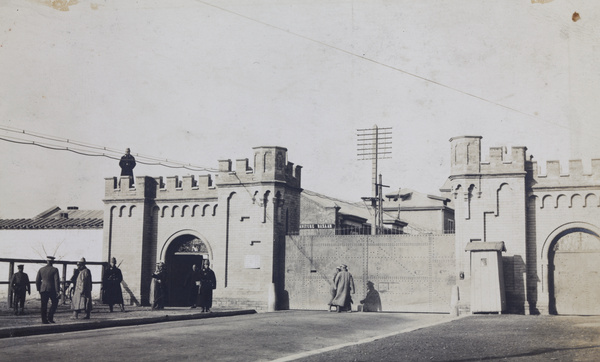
[47, 283]
[20, 284]
[344, 286]
[82, 297]
[111, 286]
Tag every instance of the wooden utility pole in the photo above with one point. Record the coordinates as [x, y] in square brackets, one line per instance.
[374, 144]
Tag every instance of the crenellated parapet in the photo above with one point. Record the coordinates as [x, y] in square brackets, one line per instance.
[270, 164]
[466, 158]
[500, 161]
[171, 187]
[574, 176]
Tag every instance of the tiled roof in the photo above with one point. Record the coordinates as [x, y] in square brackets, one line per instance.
[55, 218]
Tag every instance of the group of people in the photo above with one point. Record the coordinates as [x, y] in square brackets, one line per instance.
[343, 288]
[200, 283]
[47, 283]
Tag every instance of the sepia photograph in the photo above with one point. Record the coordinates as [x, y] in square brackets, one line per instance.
[299, 180]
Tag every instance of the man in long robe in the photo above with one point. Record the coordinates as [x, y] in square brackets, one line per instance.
[158, 287]
[111, 286]
[208, 282]
[82, 297]
[344, 286]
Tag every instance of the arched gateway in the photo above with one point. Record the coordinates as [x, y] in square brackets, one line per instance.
[574, 271]
[181, 253]
[243, 216]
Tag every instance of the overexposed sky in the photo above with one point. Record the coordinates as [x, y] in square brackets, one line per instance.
[199, 81]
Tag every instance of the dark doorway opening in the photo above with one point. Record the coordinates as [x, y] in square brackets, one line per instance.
[184, 251]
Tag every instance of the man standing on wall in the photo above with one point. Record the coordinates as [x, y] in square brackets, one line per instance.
[47, 283]
[20, 285]
[127, 164]
[208, 282]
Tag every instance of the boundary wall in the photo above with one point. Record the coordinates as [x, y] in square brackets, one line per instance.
[412, 273]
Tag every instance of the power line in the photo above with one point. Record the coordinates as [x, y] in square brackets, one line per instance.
[91, 150]
[414, 75]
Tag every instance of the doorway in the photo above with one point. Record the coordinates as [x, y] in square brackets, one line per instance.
[182, 254]
[575, 273]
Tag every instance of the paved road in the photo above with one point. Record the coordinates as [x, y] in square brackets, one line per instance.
[321, 336]
[256, 337]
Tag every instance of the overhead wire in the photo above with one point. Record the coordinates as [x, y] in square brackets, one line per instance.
[397, 69]
[142, 159]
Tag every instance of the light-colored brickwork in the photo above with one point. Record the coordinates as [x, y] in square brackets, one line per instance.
[506, 199]
[239, 219]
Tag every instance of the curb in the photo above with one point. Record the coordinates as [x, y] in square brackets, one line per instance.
[96, 324]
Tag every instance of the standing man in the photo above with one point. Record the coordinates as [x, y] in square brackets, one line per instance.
[47, 283]
[127, 164]
[82, 297]
[158, 287]
[208, 282]
[20, 284]
[344, 285]
[111, 286]
[192, 282]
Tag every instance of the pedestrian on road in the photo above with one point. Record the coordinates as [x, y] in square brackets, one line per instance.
[333, 290]
[208, 282]
[158, 287]
[192, 283]
[372, 302]
[344, 285]
[82, 297]
[111, 286]
[47, 282]
[20, 285]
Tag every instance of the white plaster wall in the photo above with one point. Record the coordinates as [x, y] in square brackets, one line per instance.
[64, 244]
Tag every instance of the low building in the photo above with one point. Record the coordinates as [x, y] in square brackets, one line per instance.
[424, 213]
[321, 214]
[66, 234]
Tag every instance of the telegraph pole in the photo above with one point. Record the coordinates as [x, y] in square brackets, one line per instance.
[374, 144]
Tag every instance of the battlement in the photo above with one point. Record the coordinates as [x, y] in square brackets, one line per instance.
[171, 187]
[270, 165]
[500, 161]
[466, 158]
[574, 176]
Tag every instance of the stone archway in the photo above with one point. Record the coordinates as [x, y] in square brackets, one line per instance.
[183, 251]
[574, 272]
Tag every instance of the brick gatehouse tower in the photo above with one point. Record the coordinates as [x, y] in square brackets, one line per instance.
[238, 221]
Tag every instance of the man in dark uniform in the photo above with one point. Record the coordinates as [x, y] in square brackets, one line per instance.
[20, 284]
[208, 282]
[127, 164]
[47, 283]
[192, 282]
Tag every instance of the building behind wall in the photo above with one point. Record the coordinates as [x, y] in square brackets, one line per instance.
[68, 234]
[548, 223]
[238, 221]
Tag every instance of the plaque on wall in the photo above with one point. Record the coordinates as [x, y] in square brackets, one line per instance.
[252, 262]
